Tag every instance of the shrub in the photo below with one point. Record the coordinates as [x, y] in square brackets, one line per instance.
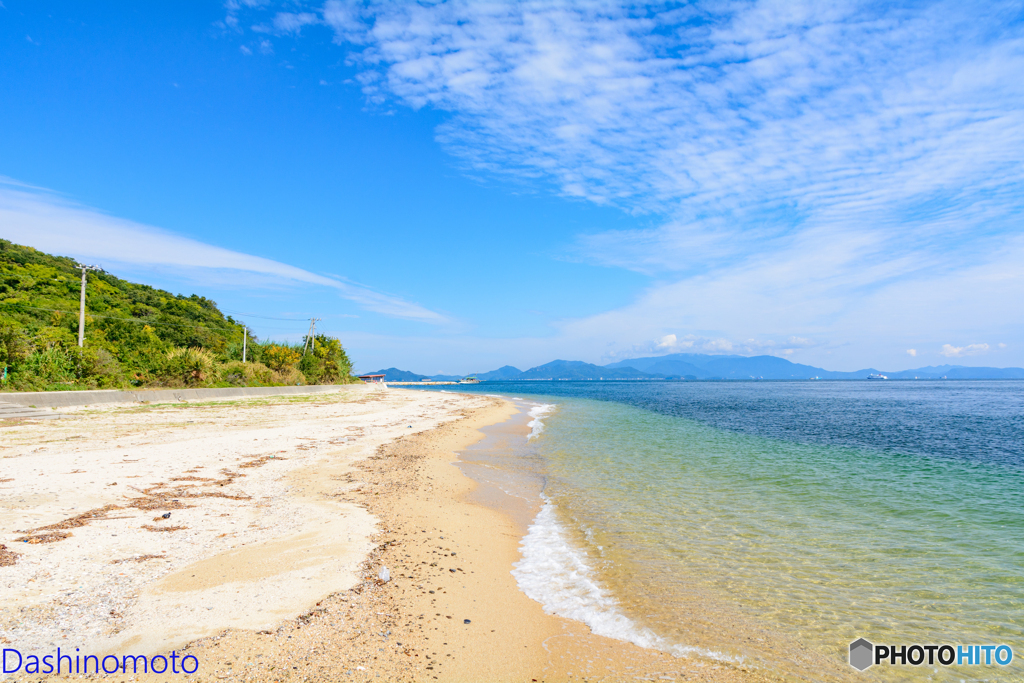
[288, 376]
[278, 357]
[192, 365]
[327, 362]
[99, 368]
[51, 365]
[246, 374]
[14, 346]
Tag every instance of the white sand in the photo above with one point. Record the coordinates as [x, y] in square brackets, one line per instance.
[275, 538]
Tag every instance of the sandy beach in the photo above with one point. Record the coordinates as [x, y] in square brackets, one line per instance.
[252, 534]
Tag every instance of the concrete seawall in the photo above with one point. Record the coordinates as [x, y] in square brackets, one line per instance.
[58, 399]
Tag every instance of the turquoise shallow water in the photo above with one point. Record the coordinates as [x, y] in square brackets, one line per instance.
[778, 522]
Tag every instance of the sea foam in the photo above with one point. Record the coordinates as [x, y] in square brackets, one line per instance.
[555, 573]
[536, 425]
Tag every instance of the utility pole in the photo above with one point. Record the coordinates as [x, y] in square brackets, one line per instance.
[311, 337]
[81, 305]
[245, 340]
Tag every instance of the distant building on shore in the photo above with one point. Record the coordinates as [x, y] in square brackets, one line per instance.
[372, 379]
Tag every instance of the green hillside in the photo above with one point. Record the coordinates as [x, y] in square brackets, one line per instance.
[135, 335]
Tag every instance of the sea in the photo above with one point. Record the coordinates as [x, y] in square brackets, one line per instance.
[772, 523]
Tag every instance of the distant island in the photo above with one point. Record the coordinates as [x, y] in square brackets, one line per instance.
[699, 366]
[396, 375]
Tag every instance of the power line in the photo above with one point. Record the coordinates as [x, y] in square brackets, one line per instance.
[149, 322]
[261, 317]
[116, 317]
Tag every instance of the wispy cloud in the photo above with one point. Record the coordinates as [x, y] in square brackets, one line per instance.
[50, 223]
[724, 106]
[811, 163]
[692, 343]
[292, 22]
[731, 117]
[950, 351]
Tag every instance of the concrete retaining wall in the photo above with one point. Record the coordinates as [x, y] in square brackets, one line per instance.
[57, 399]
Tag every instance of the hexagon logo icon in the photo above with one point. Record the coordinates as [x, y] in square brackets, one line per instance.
[862, 654]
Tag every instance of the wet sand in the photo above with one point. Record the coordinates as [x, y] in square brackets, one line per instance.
[294, 594]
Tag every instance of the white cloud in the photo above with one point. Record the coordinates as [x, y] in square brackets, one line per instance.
[671, 342]
[840, 172]
[831, 296]
[730, 109]
[292, 22]
[912, 352]
[950, 351]
[692, 343]
[345, 18]
[244, 50]
[47, 222]
[840, 146]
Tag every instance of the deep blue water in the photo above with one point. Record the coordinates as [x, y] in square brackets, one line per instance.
[797, 516]
[982, 421]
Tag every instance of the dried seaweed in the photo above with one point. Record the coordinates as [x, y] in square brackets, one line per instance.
[156, 503]
[51, 537]
[260, 461]
[138, 558]
[7, 557]
[78, 520]
[214, 494]
[149, 527]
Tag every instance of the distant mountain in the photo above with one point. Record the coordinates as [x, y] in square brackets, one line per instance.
[575, 369]
[505, 372]
[704, 366]
[958, 372]
[672, 368]
[396, 375]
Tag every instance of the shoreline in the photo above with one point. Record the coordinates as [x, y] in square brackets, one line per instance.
[450, 559]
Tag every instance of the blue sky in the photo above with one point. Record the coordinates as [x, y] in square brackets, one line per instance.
[457, 186]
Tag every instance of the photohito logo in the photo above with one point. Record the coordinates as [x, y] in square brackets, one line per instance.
[863, 655]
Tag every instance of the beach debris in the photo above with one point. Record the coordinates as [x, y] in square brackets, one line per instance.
[148, 527]
[51, 537]
[384, 574]
[465, 621]
[260, 461]
[139, 558]
[166, 515]
[7, 557]
[70, 523]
